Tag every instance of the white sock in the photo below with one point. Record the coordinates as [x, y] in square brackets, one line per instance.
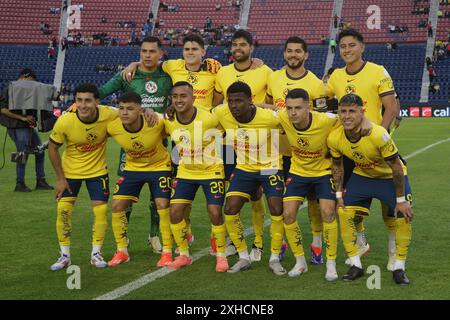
[399, 264]
[391, 243]
[331, 262]
[300, 261]
[65, 250]
[95, 249]
[317, 241]
[244, 255]
[274, 257]
[361, 239]
[356, 261]
[124, 250]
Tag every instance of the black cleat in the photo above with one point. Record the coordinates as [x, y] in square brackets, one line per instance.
[353, 273]
[400, 277]
[41, 184]
[21, 187]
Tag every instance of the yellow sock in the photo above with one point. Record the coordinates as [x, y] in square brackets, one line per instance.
[348, 231]
[187, 218]
[315, 218]
[294, 237]
[236, 231]
[390, 222]
[120, 229]
[359, 224]
[330, 235]
[100, 224]
[220, 233]
[402, 238]
[258, 212]
[179, 231]
[164, 227]
[64, 211]
[276, 234]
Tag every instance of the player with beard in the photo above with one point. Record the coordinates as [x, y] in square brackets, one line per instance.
[294, 75]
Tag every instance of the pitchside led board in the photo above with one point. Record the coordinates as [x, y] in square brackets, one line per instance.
[425, 111]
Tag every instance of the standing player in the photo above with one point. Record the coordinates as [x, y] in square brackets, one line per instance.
[194, 131]
[379, 173]
[153, 85]
[84, 133]
[147, 161]
[258, 165]
[374, 85]
[307, 132]
[256, 79]
[295, 75]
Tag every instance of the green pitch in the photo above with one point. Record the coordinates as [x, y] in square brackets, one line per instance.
[28, 243]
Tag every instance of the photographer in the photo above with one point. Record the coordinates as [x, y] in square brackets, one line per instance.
[21, 129]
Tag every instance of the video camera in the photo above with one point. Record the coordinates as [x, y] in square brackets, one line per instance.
[22, 156]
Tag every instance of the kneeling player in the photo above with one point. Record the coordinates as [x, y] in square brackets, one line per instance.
[147, 161]
[379, 173]
[194, 131]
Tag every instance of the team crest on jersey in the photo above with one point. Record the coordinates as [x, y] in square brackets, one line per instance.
[151, 87]
[242, 135]
[192, 78]
[302, 142]
[91, 137]
[350, 89]
[358, 155]
[137, 145]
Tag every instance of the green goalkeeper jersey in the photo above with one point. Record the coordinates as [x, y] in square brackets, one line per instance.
[153, 87]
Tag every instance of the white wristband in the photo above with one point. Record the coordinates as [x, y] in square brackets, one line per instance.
[401, 199]
[339, 195]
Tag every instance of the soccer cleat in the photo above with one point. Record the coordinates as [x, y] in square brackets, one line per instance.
[241, 265]
[400, 277]
[118, 258]
[297, 270]
[363, 251]
[98, 261]
[256, 253]
[230, 250]
[41, 184]
[166, 259]
[62, 262]
[180, 262]
[316, 255]
[221, 264]
[21, 187]
[331, 274]
[284, 248]
[353, 273]
[155, 244]
[390, 265]
[277, 268]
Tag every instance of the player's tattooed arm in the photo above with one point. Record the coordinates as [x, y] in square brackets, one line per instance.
[398, 178]
[390, 110]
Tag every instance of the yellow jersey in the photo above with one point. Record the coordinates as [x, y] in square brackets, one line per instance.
[257, 79]
[203, 82]
[280, 83]
[369, 153]
[256, 142]
[84, 156]
[371, 83]
[144, 149]
[197, 144]
[310, 156]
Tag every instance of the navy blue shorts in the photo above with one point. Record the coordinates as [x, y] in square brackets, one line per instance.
[297, 187]
[184, 190]
[130, 184]
[244, 184]
[98, 188]
[361, 190]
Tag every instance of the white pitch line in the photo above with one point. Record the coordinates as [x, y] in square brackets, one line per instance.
[144, 280]
[152, 276]
[415, 153]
